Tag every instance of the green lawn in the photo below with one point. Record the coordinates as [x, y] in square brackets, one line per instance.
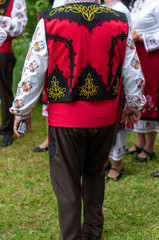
[28, 207]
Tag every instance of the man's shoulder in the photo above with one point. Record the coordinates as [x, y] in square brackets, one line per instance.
[86, 11]
[45, 13]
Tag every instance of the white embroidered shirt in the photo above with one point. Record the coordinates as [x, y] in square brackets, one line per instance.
[145, 21]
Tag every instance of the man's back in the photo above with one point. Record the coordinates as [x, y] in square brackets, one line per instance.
[75, 34]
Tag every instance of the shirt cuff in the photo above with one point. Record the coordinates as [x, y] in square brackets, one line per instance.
[136, 103]
[22, 117]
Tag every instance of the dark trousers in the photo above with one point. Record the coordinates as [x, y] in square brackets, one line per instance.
[76, 152]
[7, 63]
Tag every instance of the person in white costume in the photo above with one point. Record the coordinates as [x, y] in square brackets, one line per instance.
[145, 32]
[117, 152]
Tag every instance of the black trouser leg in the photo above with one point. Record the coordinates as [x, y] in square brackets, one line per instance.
[94, 181]
[75, 152]
[7, 62]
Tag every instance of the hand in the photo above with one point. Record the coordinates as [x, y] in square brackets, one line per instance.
[129, 116]
[16, 125]
[136, 36]
[140, 39]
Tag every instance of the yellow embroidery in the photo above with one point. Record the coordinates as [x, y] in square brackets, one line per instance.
[2, 1]
[116, 88]
[55, 91]
[88, 13]
[2, 11]
[88, 89]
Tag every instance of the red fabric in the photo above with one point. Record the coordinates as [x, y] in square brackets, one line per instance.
[84, 113]
[98, 46]
[150, 68]
[7, 45]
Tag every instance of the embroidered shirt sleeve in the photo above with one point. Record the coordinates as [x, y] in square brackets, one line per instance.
[58, 3]
[33, 75]
[133, 78]
[15, 24]
[151, 40]
[3, 36]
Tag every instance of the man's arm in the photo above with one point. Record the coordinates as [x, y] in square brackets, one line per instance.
[133, 81]
[33, 77]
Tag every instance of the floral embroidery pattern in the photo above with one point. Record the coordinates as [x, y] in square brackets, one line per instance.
[18, 6]
[36, 33]
[136, 101]
[29, 54]
[149, 106]
[88, 13]
[88, 89]
[33, 66]
[18, 91]
[26, 86]
[130, 44]
[135, 63]
[18, 103]
[38, 46]
[139, 83]
[119, 151]
[56, 91]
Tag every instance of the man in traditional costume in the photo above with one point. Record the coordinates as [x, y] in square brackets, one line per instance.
[83, 49]
[13, 19]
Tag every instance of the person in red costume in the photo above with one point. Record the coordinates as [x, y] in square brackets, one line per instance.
[145, 33]
[84, 48]
[13, 20]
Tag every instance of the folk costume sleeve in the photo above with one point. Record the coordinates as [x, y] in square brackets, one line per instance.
[133, 78]
[33, 75]
[3, 36]
[151, 39]
[15, 24]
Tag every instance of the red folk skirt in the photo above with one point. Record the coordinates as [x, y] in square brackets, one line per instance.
[150, 67]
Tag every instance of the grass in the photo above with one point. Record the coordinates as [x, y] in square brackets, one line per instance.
[28, 204]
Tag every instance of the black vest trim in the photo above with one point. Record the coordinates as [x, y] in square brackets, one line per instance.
[68, 44]
[111, 54]
[88, 87]
[88, 15]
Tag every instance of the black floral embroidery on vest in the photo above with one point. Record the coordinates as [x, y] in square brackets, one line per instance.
[4, 4]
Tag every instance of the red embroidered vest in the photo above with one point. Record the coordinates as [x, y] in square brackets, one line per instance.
[86, 44]
[5, 10]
